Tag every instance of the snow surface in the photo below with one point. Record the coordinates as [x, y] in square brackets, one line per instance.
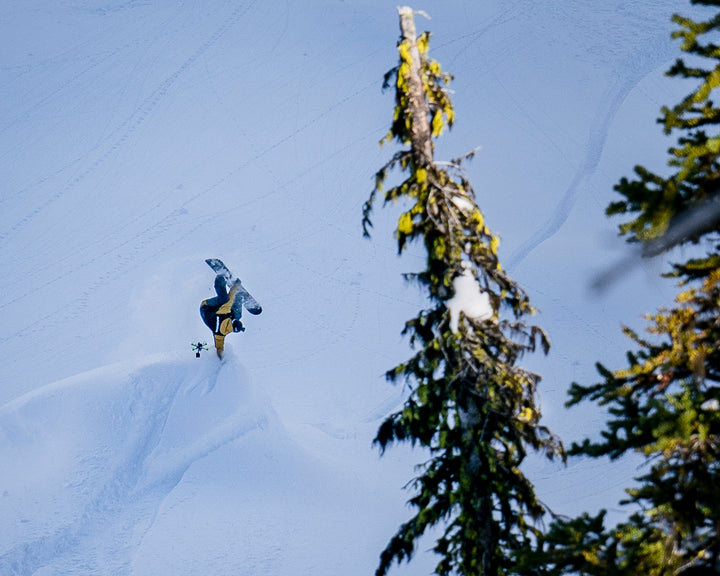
[175, 467]
[139, 138]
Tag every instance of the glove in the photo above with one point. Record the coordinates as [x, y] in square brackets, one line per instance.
[238, 326]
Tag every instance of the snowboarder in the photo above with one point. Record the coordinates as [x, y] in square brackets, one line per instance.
[222, 314]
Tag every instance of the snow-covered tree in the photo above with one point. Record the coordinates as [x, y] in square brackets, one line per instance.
[469, 404]
[665, 404]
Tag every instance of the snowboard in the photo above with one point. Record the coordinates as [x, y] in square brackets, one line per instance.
[249, 302]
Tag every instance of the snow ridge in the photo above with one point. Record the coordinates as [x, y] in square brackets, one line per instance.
[112, 444]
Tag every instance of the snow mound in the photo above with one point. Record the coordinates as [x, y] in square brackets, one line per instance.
[99, 452]
[169, 467]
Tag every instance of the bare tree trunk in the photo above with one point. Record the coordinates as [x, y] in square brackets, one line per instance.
[421, 136]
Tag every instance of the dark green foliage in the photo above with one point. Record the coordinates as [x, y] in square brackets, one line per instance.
[665, 405]
[685, 206]
[470, 406]
[582, 546]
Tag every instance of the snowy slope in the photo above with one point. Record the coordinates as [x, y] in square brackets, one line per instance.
[170, 466]
[112, 444]
[139, 138]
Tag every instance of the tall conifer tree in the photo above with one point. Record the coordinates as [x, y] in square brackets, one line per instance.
[665, 404]
[470, 405]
